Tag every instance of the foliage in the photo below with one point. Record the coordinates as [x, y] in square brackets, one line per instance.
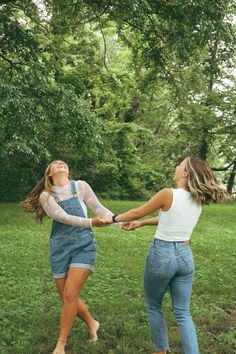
[119, 171]
[37, 112]
[122, 90]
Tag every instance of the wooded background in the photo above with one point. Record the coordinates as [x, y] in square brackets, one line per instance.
[120, 89]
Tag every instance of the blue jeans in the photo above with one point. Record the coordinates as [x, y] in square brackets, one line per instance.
[170, 266]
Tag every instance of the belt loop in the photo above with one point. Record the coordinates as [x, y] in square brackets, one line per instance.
[176, 248]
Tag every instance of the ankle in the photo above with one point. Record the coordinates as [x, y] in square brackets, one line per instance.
[60, 347]
[62, 340]
[92, 323]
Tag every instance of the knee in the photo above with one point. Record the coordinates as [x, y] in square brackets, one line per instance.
[70, 295]
[181, 314]
[151, 304]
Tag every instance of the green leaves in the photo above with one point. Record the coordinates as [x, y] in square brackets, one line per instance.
[71, 77]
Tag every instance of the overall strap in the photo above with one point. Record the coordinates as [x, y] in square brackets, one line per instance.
[73, 188]
[76, 195]
[56, 197]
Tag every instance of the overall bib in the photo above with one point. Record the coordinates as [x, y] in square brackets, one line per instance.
[71, 246]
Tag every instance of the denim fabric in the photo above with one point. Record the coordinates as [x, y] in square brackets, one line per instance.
[71, 246]
[170, 266]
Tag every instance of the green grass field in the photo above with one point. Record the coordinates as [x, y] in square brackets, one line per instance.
[30, 306]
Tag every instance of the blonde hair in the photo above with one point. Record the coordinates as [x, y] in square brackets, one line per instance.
[202, 183]
[32, 203]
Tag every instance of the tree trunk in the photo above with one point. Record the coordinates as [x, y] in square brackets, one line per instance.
[203, 150]
[231, 179]
[130, 114]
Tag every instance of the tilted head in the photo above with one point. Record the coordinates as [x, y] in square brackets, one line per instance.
[200, 181]
[55, 168]
[32, 203]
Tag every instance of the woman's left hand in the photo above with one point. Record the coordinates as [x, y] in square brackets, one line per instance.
[99, 221]
[107, 220]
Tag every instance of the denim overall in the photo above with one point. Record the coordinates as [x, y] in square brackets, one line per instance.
[71, 246]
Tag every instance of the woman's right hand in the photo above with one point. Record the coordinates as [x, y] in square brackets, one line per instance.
[98, 221]
[131, 225]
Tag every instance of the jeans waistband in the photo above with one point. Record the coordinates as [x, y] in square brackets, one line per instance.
[163, 243]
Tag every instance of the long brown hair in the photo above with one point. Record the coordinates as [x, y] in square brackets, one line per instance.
[202, 183]
[32, 203]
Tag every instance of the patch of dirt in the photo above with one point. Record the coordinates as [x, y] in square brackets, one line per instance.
[230, 319]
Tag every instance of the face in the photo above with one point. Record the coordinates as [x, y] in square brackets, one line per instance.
[180, 171]
[58, 166]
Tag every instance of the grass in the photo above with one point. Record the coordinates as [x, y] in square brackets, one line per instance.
[30, 306]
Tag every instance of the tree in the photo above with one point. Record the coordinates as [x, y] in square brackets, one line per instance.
[40, 118]
[120, 89]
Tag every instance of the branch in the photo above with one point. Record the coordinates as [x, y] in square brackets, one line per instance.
[6, 59]
[96, 17]
[6, 2]
[105, 49]
[222, 133]
[223, 168]
[9, 61]
[132, 25]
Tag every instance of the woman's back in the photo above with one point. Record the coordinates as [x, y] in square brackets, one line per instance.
[177, 223]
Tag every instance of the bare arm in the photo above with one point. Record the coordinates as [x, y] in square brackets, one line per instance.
[138, 223]
[161, 200]
[151, 221]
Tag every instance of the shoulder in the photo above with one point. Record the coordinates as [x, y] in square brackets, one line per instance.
[166, 192]
[83, 188]
[80, 181]
[44, 197]
[163, 195]
[83, 184]
[166, 197]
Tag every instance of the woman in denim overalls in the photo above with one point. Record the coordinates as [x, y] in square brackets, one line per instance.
[72, 242]
[169, 262]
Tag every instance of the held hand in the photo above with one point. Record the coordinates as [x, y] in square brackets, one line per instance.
[99, 221]
[125, 225]
[107, 220]
[131, 225]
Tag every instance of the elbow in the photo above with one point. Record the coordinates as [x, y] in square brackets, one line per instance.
[63, 218]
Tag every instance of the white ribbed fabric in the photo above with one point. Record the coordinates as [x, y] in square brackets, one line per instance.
[177, 223]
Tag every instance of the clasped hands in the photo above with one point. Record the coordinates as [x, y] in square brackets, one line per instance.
[101, 221]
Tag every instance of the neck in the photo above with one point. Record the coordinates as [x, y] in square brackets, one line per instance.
[60, 180]
[182, 184]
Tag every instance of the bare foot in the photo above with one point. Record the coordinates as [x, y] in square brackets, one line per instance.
[58, 351]
[93, 331]
[60, 347]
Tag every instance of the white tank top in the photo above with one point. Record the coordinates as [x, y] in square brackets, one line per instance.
[177, 223]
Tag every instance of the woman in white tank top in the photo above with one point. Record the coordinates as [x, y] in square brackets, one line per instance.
[169, 262]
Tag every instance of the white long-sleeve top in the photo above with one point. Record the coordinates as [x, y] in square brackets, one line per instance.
[87, 198]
